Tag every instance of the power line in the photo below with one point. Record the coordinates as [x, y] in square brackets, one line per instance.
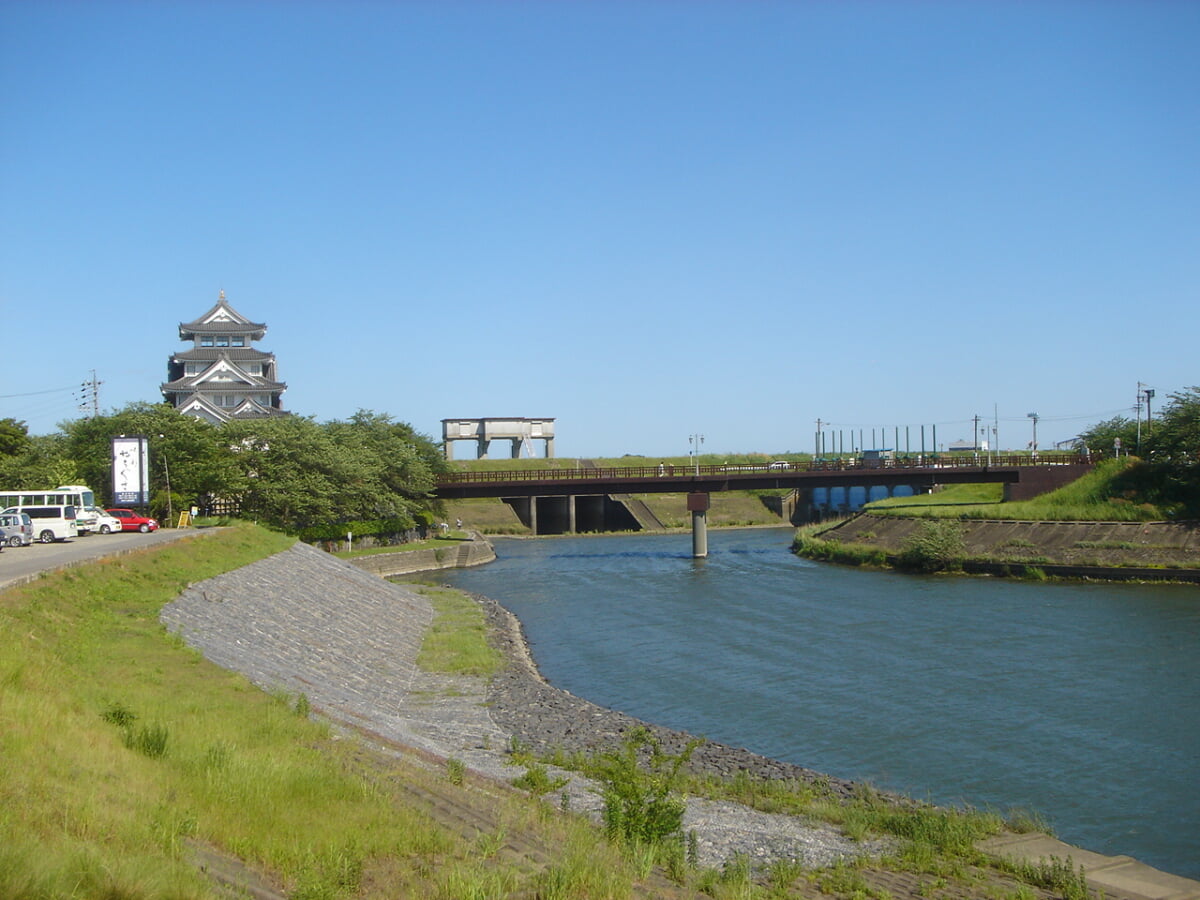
[38, 393]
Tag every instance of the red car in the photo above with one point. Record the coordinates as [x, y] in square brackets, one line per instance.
[131, 521]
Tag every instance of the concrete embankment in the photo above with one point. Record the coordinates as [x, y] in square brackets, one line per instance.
[474, 552]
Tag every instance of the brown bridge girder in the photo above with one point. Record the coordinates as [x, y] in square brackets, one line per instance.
[1039, 475]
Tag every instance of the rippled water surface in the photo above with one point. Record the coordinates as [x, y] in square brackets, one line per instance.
[1079, 701]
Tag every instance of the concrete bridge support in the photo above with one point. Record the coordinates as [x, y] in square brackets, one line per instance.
[697, 504]
[573, 513]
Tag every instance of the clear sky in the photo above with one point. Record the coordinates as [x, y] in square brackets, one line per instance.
[645, 219]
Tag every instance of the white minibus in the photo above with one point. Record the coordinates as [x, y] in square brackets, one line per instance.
[50, 522]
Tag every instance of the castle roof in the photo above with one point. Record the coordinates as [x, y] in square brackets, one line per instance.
[221, 319]
[221, 377]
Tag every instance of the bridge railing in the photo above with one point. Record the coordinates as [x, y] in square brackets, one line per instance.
[682, 472]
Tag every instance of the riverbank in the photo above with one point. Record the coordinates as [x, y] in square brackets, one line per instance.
[348, 642]
[306, 623]
[1144, 551]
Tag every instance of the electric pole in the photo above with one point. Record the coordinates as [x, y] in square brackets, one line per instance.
[89, 395]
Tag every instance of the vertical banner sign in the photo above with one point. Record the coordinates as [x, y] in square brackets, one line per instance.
[131, 471]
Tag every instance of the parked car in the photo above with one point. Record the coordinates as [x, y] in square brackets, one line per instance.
[131, 521]
[16, 529]
[50, 523]
[105, 523]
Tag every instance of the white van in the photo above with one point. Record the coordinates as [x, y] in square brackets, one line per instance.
[50, 523]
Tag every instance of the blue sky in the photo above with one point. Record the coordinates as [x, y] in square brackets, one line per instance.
[645, 219]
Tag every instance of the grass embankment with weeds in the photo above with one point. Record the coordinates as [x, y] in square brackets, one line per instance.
[124, 750]
[125, 753]
[1102, 495]
[971, 524]
[121, 745]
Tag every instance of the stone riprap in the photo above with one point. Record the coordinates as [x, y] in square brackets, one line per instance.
[304, 622]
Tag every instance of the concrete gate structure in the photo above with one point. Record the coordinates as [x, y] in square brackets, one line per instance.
[520, 431]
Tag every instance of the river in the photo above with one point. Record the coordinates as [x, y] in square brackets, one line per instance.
[1078, 701]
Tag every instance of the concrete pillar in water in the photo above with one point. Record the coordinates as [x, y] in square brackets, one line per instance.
[697, 504]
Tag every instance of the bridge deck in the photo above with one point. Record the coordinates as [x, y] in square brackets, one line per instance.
[925, 471]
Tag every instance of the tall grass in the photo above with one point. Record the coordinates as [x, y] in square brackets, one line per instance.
[808, 543]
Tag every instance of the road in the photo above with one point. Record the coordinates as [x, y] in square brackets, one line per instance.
[21, 564]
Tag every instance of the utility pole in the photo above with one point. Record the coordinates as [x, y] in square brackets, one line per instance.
[89, 395]
[817, 442]
[1137, 408]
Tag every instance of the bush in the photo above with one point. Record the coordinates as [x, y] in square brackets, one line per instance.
[640, 804]
[937, 546]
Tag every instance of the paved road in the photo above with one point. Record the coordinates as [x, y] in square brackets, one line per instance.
[21, 564]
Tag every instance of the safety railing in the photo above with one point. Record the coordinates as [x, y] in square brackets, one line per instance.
[682, 472]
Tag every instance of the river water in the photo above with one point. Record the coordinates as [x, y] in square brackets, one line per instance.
[1080, 702]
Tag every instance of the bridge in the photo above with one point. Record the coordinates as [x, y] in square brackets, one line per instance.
[1023, 476]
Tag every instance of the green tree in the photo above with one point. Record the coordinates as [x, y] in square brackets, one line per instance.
[1175, 436]
[404, 464]
[291, 473]
[1102, 437]
[187, 454]
[44, 462]
[14, 437]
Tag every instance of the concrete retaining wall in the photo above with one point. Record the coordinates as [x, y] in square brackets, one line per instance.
[469, 553]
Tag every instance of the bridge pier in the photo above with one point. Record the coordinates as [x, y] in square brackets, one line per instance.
[697, 503]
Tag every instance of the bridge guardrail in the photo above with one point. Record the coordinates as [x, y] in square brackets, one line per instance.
[683, 472]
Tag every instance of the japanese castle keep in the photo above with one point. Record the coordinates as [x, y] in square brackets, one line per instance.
[222, 376]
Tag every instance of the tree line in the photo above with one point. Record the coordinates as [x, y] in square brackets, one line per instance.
[373, 475]
[1167, 448]
[1174, 435]
[369, 474]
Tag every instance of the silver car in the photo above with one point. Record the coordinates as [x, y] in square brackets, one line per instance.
[16, 529]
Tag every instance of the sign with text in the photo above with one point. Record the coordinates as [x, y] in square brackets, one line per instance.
[131, 471]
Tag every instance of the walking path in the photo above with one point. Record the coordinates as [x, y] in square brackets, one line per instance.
[305, 622]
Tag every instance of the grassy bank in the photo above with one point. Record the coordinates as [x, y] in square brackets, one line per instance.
[1096, 522]
[127, 757]
[1103, 495]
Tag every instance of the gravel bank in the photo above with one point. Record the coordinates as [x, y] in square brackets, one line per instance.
[306, 622]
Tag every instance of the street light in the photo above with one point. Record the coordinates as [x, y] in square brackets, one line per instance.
[1034, 416]
[696, 440]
